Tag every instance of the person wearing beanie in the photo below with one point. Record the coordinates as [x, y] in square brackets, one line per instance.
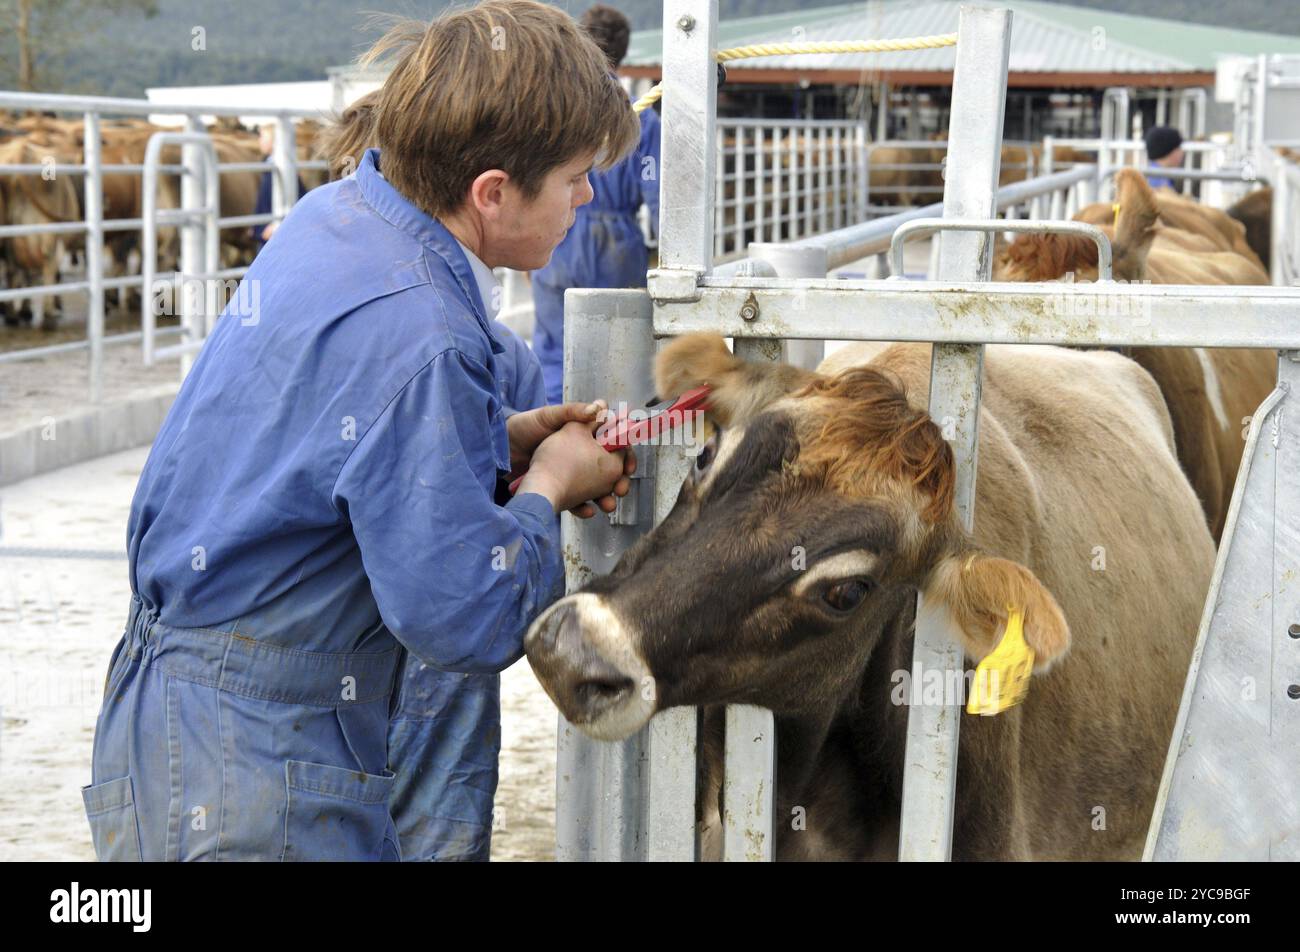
[1165, 149]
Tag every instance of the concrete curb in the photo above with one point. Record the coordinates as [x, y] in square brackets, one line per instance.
[110, 428]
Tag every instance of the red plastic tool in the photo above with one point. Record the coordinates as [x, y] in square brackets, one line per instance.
[627, 431]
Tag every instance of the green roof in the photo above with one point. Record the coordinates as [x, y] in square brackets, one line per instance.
[1045, 36]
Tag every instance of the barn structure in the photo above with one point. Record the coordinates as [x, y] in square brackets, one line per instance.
[1063, 60]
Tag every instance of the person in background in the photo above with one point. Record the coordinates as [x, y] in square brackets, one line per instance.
[266, 142]
[605, 247]
[1165, 149]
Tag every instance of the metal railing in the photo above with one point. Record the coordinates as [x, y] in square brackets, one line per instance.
[192, 217]
[1285, 238]
[636, 799]
[782, 180]
[1210, 158]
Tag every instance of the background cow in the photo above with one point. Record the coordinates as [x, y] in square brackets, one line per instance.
[1210, 392]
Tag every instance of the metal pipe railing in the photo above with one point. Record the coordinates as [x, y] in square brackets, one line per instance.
[929, 226]
[94, 227]
[873, 237]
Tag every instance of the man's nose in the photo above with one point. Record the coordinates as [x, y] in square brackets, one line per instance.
[586, 193]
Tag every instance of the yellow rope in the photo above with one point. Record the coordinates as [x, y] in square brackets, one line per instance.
[794, 49]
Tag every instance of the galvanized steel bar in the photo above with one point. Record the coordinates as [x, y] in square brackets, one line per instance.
[975, 133]
[926, 226]
[601, 786]
[867, 238]
[748, 786]
[93, 190]
[58, 102]
[689, 157]
[1072, 315]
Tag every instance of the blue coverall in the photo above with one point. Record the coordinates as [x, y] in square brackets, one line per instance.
[445, 735]
[603, 249]
[321, 494]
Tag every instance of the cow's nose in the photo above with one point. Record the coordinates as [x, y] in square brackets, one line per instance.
[583, 683]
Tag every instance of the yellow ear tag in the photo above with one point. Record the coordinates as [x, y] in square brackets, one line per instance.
[1115, 209]
[1002, 678]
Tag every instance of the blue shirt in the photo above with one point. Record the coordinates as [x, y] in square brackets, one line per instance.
[635, 180]
[331, 460]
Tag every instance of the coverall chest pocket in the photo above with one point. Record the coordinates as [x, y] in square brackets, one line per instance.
[110, 808]
[334, 813]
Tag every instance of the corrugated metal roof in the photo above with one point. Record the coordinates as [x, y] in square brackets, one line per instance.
[1045, 37]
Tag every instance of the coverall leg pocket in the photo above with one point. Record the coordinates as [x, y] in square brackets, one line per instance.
[110, 808]
[334, 813]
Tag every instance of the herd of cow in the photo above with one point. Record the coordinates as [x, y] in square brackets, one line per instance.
[786, 574]
[55, 196]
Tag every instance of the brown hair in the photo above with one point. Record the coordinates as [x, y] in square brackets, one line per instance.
[875, 432]
[342, 143]
[508, 84]
[610, 29]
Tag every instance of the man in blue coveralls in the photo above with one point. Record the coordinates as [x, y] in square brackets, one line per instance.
[328, 487]
[605, 247]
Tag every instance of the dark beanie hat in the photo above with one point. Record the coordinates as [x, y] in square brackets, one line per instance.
[1161, 140]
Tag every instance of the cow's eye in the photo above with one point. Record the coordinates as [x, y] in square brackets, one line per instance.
[847, 595]
[705, 458]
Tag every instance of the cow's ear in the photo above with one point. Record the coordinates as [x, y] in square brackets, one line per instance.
[978, 589]
[740, 389]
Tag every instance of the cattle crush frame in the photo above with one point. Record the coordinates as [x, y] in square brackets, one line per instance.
[1231, 783]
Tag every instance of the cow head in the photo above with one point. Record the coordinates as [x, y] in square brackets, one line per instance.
[817, 510]
[1130, 223]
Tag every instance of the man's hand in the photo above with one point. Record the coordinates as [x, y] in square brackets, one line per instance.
[568, 466]
[529, 428]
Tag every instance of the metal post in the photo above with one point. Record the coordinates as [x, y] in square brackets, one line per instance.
[795, 262]
[975, 132]
[1280, 226]
[608, 351]
[748, 787]
[93, 187]
[860, 161]
[193, 200]
[670, 818]
[284, 157]
[689, 154]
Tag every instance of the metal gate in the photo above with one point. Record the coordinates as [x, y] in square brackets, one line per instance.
[1231, 787]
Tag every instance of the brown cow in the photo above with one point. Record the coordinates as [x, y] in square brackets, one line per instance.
[1255, 212]
[908, 186]
[786, 576]
[34, 199]
[1211, 392]
[1186, 214]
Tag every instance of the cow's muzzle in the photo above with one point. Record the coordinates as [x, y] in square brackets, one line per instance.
[586, 660]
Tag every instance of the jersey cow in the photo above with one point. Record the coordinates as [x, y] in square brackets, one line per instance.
[786, 576]
[1211, 393]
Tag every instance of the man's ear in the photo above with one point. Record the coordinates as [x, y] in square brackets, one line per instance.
[977, 590]
[739, 390]
[487, 193]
